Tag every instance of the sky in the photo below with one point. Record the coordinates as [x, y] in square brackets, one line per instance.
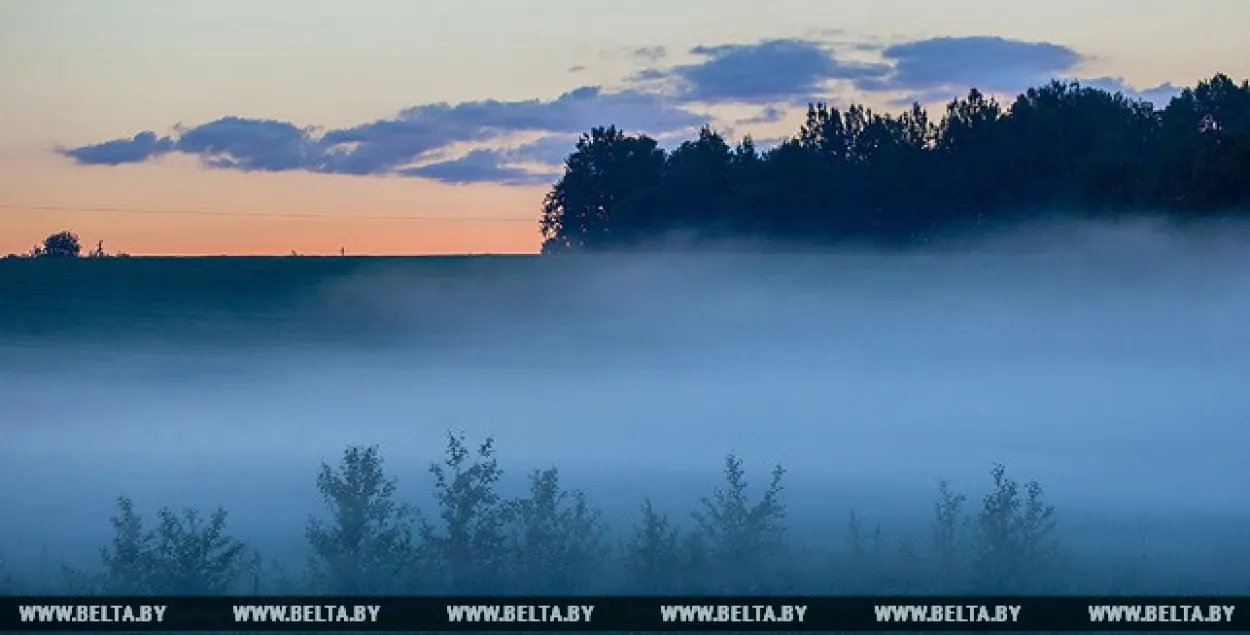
[401, 127]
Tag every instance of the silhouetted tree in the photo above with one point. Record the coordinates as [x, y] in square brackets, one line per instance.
[606, 167]
[855, 175]
[59, 245]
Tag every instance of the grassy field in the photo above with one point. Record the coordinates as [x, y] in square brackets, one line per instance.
[67, 298]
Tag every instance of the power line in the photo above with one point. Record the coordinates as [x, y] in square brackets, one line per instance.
[296, 215]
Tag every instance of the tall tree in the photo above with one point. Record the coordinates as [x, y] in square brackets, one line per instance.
[606, 167]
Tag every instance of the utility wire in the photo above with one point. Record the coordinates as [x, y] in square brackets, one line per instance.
[296, 215]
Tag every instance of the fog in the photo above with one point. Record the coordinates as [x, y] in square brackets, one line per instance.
[1109, 364]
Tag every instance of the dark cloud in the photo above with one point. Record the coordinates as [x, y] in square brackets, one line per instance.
[769, 114]
[250, 144]
[392, 145]
[480, 166]
[141, 147]
[771, 71]
[948, 66]
[650, 75]
[939, 69]
[650, 53]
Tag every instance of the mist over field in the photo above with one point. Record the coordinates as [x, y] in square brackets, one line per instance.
[1107, 362]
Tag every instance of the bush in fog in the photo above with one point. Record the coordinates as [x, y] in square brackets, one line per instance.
[558, 543]
[467, 550]
[653, 556]
[740, 537]
[551, 539]
[186, 553]
[1014, 544]
[367, 545]
[128, 561]
[863, 556]
[949, 541]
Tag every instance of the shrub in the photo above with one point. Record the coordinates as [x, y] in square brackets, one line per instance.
[653, 555]
[740, 537]
[558, 541]
[467, 551]
[368, 544]
[1014, 537]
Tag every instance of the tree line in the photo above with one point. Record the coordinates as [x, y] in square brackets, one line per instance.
[857, 176]
[553, 540]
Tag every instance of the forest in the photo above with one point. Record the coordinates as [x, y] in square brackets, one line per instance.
[855, 176]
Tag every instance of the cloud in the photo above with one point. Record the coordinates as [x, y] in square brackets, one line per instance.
[480, 166]
[250, 144]
[769, 114]
[548, 150]
[938, 69]
[650, 53]
[771, 71]
[943, 67]
[1160, 95]
[770, 74]
[391, 146]
[143, 146]
[577, 68]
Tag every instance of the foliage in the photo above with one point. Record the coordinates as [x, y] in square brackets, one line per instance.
[551, 540]
[948, 540]
[741, 536]
[1014, 537]
[368, 544]
[193, 555]
[653, 555]
[558, 538]
[855, 175]
[185, 554]
[63, 244]
[468, 550]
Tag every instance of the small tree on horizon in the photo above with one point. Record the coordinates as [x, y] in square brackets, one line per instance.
[64, 244]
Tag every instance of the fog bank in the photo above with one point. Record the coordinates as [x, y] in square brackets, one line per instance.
[1108, 363]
